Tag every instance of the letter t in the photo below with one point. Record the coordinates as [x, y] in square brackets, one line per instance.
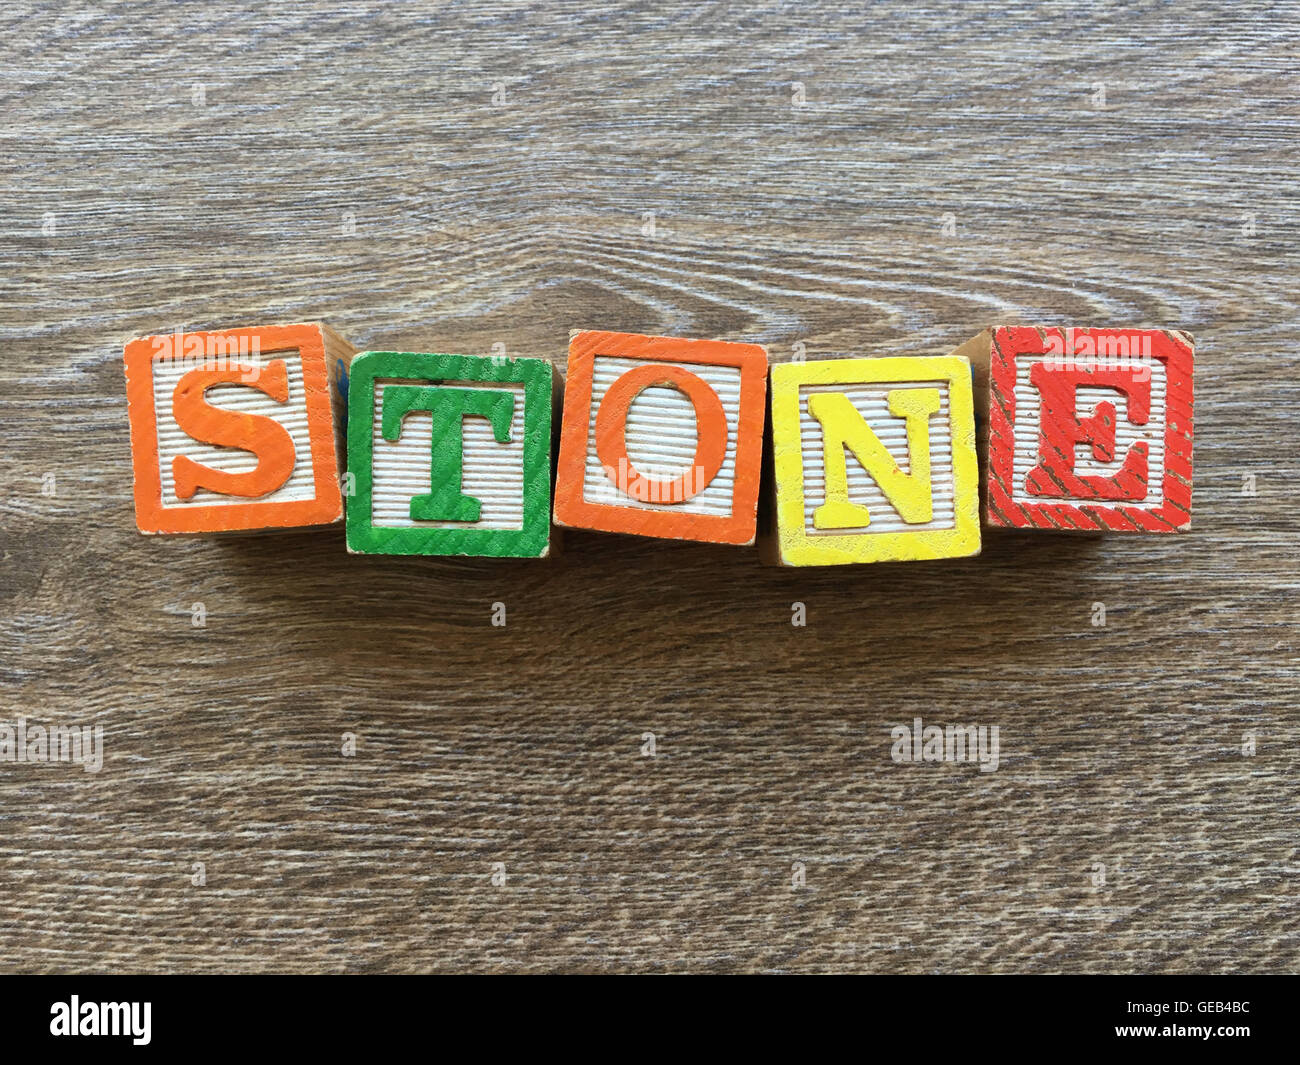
[448, 408]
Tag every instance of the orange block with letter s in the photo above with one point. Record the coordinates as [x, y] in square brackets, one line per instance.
[237, 429]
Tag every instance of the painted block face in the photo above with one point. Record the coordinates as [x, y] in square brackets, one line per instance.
[236, 429]
[874, 460]
[449, 455]
[662, 437]
[1090, 429]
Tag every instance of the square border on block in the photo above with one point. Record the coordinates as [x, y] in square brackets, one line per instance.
[150, 513]
[796, 546]
[536, 375]
[571, 506]
[1007, 344]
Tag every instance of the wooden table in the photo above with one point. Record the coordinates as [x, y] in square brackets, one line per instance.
[811, 177]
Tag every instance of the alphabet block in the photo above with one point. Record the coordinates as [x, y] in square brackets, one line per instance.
[1086, 429]
[662, 437]
[450, 455]
[235, 429]
[874, 461]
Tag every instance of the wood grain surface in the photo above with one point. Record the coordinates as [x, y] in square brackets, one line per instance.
[834, 179]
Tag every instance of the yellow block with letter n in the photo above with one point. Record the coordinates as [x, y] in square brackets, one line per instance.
[874, 460]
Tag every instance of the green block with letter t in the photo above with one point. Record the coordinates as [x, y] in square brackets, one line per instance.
[449, 455]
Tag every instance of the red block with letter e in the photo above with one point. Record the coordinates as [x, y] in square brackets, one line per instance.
[1085, 430]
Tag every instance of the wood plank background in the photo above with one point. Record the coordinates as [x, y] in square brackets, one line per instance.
[454, 177]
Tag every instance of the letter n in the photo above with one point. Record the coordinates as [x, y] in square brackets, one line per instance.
[844, 429]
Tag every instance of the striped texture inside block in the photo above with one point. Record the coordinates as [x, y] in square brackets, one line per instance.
[661, 437]
[492, 473]
[1028, 414]
[173, 441]
[872, 402]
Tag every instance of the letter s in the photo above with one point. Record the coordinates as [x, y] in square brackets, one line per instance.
[266, 438]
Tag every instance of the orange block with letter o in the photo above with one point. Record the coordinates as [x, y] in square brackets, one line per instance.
[236, 429]
[662, 437]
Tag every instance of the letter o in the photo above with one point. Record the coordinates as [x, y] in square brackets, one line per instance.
[710, 436]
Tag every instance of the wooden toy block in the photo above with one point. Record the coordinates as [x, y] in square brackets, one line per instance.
[662, 437]
[236, 429]
[1087, 430]
[874, 461]
[451, 455]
